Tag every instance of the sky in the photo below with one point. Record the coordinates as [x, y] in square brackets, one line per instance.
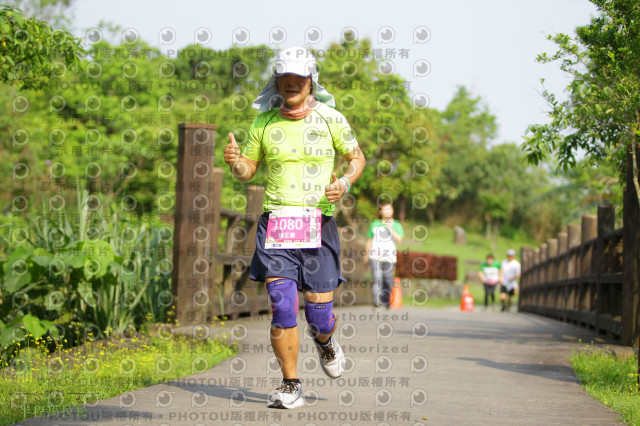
[489, 46]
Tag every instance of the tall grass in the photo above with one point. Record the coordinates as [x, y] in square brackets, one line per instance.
[92, 270]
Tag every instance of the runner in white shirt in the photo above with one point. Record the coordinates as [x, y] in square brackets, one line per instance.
[510, 272]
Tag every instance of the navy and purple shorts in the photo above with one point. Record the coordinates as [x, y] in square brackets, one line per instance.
[316, 270]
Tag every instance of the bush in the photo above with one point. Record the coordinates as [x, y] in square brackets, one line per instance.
[426, 265]
[511, 232]
[94, 276]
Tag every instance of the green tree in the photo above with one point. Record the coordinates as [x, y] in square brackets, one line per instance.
[55, 12]
[465, 129]
[600, 119]
[31, 51]
[504, 175]
[394, 132]
[484, 183]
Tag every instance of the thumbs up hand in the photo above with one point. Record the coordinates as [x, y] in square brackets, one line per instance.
[231, 151]
[334, 191]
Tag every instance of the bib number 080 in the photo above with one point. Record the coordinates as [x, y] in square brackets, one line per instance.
[290, 224]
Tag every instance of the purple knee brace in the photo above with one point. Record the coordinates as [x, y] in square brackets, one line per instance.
[320, 317]
[284, 302]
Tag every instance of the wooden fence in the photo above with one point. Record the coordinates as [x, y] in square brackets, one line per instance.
[577, 277]
[583, 277]
[591, 275]
[206, 280]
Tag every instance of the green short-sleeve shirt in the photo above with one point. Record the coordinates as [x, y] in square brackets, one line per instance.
[299, 155]
[383, 246]
[491, 271]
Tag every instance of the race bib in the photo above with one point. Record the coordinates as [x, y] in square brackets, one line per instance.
[294, 228]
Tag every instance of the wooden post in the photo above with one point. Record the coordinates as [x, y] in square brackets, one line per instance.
[255, 198]
[589, 232]
[544, 267]
[561, 267]
[236, 235]
[214, 229]
[527, 257]
[552, 251]
[535, 268]
[631, 260]
[606, 224]
[559, 292]
[587, 290]
[562, 249]
[528, 291]
[195, 236]
[573, 240]
[527, 254]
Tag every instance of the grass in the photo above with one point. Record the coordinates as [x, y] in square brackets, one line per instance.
[35, 384]
[476, 290]
[611, 380]
[470, 256]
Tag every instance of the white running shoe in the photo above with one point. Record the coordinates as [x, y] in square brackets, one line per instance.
[288, 395]
[331, 357]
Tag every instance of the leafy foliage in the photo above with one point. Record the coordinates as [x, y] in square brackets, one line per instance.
[31, 52]
[109, 275]
[396, 133]
[601, 117]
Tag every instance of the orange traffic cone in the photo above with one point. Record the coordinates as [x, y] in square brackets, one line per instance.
[466, 302]
[396, 294]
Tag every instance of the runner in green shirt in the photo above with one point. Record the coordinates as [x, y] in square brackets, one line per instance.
[298, 135]
[490, 277]
[381, 251]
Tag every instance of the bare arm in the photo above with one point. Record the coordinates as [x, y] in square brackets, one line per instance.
[356, 163]
[245, 168]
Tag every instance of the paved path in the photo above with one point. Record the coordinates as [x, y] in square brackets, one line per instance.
[409, 367]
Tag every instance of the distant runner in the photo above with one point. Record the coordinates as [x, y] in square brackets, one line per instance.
[510, 276]
[381, 251]
[490, 277]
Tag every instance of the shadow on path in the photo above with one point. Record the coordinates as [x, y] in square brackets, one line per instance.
[237, 395]
[554, 372]
[524, 328]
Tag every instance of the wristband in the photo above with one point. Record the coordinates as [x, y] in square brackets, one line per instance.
[346, 183]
